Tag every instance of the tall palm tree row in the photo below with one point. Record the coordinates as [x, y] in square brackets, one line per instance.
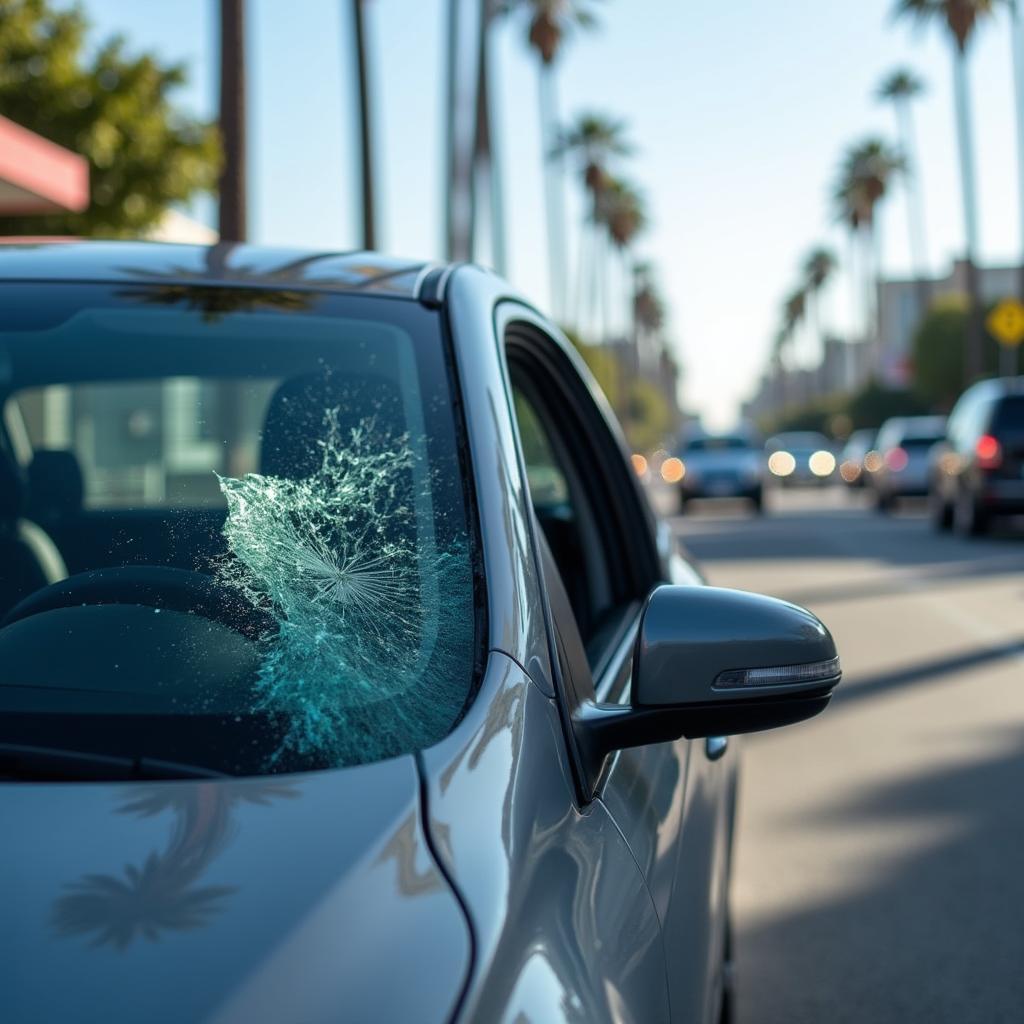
[818, 267]
[594, 141]
[961, 19]
[550, 23]
[899, 88]
[865, 177]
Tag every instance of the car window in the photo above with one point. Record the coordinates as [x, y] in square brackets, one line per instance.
[579, 485]
[564, 515]
[1008, 415]
[233, 537]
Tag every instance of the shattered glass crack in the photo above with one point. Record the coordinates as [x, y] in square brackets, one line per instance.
[374, 619]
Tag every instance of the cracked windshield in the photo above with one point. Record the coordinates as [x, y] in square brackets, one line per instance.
[255, 533]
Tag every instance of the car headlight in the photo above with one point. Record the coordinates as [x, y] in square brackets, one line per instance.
[822, 463]
[673, 470]
[781, 463]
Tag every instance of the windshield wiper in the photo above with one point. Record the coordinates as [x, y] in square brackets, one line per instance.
[44, 764]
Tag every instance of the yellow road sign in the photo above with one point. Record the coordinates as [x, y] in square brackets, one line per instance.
[1006, 322]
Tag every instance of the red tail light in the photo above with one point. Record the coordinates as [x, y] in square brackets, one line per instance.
[989, 452]
[896, 459]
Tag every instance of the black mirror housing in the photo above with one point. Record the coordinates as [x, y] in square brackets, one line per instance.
[701, 646]
[714, 662]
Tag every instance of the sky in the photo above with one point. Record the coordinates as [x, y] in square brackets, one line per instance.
[738, 112]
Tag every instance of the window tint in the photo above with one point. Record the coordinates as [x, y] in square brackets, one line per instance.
[234, 536]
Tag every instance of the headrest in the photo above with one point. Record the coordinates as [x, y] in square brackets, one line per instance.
[55, 487]
[297, 418]
[12, 488]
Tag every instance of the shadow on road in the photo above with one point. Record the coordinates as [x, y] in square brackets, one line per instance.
[859, 687]
[932, 933]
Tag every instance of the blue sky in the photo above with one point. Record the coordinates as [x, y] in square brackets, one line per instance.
[739, 113]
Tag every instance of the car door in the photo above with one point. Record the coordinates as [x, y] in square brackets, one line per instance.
[672, 801]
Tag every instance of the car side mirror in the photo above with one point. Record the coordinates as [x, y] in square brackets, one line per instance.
[714, 662]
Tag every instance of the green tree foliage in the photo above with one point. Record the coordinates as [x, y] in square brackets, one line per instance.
[939, 352]
[874, 404]
[650, 419]
[113, 108]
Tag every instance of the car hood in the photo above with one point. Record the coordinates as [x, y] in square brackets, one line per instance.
[288, 898]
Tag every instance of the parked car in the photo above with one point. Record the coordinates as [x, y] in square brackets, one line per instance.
[800, 457]
[977, 475]
[854, 463]
[720, 466]
[904, 444]
[341, 653]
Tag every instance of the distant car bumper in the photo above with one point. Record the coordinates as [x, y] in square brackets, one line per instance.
[1002, 497]
[722, 487]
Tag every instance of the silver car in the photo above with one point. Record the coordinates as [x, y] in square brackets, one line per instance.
[905, 444]
[721, 466]
[344, 671]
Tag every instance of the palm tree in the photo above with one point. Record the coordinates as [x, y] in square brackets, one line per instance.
[458, 184]
[794, 312]
[594, 140]
[623, 215]
[551, 21]
[961, 18]
[366, 175]
[485, 165]
[899, 88]
[864, 179]
[818, 268]
[232, 210]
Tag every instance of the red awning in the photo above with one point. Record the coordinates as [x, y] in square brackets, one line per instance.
[38, 176]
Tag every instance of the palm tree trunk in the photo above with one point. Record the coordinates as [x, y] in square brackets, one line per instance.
[232, 212]
[915, 205]
[869, 271]
[485, 170]
[458, 154]
[554, 190]
[365, 129]
[1017, 44]
[450, 102]
[966, 147]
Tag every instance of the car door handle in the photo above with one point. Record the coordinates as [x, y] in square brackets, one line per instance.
[715, 747]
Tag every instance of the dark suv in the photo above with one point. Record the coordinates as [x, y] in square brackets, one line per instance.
[978, 473]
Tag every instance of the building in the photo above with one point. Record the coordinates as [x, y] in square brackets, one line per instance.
[901, 305]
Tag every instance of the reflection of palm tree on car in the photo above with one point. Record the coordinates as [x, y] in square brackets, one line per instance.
[162, 894]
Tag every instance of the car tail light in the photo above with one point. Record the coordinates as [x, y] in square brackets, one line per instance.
[989, 452]
[896, 459]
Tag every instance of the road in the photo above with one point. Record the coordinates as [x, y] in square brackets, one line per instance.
[879, 871]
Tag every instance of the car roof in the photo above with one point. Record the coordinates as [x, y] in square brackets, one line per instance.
[914, 426]
[227, 263]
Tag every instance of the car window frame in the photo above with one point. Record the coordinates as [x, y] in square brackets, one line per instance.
[526, 336]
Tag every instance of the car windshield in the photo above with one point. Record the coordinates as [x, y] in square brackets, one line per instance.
[717, 444]
[920, 442]
[234, 528]
[800, 441]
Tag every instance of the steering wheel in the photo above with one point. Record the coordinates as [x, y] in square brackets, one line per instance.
[154, 586]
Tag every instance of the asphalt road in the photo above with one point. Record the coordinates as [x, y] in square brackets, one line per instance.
[879, 871]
